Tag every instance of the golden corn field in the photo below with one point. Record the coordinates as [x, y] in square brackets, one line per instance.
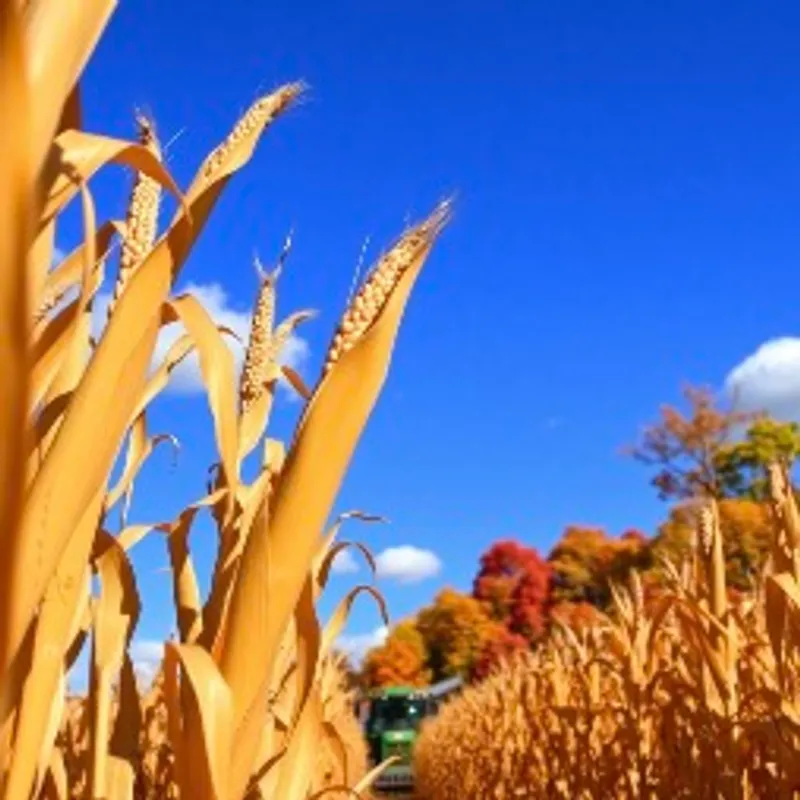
[677, 693]
[223, 719]
[680, 695]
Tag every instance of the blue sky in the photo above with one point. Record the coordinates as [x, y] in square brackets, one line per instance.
[627, 176]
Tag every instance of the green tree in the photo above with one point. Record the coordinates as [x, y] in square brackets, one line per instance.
[742, 465]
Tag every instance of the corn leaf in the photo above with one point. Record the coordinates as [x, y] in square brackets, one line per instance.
[116, 616]
[207, 725]
[124, 744]
[16, 230]
[71, 269]
[188, 605]
[82, 154]
[297, 764]
[218, 370]
[60, 40]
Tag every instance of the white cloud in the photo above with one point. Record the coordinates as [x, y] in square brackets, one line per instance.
[146, 655]
[356, 646]
[344, 563]
[186, 377]
[407, 564]
[769, 379]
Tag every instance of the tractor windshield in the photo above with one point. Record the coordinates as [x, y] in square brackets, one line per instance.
[394, 714]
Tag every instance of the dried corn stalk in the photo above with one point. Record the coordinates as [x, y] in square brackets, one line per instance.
[682, 694]
[216, 723]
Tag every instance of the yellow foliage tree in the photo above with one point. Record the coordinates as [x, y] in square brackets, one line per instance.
[745, 526]
[456, 627]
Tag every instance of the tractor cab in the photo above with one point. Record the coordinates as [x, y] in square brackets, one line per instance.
[392, 726]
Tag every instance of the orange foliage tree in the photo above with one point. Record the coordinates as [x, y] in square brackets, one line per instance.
[585, 562]
[500, 644]
[400, 661]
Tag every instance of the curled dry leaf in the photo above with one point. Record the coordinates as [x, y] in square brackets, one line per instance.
[324, 570]
[338, 620]
[82, 154]
[207, 715]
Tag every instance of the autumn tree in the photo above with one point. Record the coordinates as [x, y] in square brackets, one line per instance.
[455, 628]
[500, 645]
[683, 448]
[578, 615]
[400, 661]
[513, 582]
[630, 551]
[586, 560]
[712, 451]
[742, 464]
[747, 530]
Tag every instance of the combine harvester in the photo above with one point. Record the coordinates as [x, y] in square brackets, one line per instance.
[392, 725]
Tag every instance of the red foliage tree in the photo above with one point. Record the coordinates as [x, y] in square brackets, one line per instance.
[514, 583]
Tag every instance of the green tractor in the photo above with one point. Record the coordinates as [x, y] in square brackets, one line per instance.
[392, 726]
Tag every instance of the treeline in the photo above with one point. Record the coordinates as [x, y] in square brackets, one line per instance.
[518, 595]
